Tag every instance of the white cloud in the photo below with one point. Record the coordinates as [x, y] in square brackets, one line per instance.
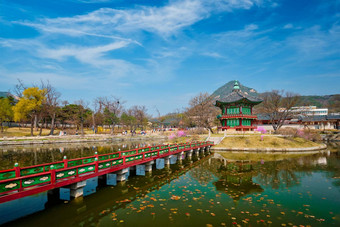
[213, 54]
[89, 55]
[94, 1]
[251, 27]
[166, 20]
[288, 26]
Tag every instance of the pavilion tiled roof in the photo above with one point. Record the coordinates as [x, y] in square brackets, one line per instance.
[238, 95]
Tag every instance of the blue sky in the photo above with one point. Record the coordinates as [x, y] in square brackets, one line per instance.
[162, 53]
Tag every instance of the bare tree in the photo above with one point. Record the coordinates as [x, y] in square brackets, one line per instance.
[19, 88]
[51, 104]
[278, 106]
[140, 113]
[111, 108]
[82, 111]
[202, 112]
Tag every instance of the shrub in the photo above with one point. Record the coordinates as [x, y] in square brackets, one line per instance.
[307, 134]
[261, 129]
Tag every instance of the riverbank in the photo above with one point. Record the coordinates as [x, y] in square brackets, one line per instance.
[77, 139]
[258, 143]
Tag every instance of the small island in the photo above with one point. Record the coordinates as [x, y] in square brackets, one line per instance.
[267, 143]
[238, 117]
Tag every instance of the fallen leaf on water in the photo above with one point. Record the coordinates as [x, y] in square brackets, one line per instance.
[175, 197]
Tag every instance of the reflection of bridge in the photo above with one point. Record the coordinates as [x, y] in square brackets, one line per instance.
[99, 203]
[20, 182]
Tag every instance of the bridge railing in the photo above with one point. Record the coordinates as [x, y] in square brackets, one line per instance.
[51, 173]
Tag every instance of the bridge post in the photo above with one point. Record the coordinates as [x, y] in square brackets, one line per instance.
[17, 169]
[65, 161]
[52, 171]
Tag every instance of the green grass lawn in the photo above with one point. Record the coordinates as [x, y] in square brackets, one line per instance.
[267, 142]
[18, 132]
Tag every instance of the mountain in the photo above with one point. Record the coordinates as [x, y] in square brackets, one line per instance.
[332, 102]
[228, 87]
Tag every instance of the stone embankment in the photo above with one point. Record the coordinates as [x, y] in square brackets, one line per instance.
[290, 150]
[75, 139]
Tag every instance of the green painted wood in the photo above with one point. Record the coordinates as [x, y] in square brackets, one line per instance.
[86, 169]
[7, 175]
[30, 171]
[66, 173]
[36, 180]
[55, 166]
[103, 157]
[114, 156]
[10, 185]
[117, 162]
[88, 160]
[74, 163]
[104, 165]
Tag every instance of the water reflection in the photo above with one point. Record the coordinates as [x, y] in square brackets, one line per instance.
[213, 190]
[38, 154]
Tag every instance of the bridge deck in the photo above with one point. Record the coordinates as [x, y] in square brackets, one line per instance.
[20, 182]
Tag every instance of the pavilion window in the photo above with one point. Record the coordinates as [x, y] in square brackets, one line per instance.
[233, 122]
[246, 110]
[246, 122]
[233, 110]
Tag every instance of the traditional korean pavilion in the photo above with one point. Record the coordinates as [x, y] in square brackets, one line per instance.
[237, 110]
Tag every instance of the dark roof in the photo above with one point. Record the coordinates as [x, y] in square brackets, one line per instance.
[333, 117]
[238, 95]
[263, 117]
[321, 118]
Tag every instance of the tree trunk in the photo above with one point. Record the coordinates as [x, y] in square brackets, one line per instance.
[35, 122]
[2, 127]
[82, 128]
[41, 127]
[32, 125]
[112, 129]
[52, 124]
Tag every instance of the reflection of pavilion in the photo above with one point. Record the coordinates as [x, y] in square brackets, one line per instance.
[235, 177]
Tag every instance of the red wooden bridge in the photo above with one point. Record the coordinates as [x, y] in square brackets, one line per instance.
[20, 182]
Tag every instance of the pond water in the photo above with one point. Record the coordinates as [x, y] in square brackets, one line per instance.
[210, 191]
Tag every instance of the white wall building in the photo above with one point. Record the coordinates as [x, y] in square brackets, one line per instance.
[310, 111]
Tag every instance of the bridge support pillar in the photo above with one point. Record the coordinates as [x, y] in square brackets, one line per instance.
[90, 186]
[22, 207]
[77, 189]
[111, 179]
[167, 160]
[160, 163]
[189, 154]
[148, 166]
[180, 155]
[123, 174]
[202, 149]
